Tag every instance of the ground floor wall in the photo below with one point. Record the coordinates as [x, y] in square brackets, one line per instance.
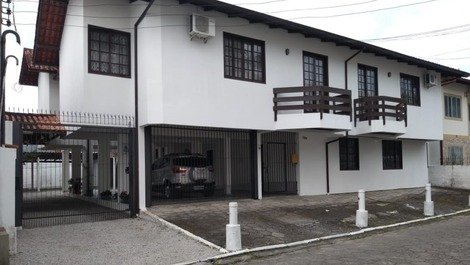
[313, 178]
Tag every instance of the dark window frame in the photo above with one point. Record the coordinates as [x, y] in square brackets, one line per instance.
[392, 154]
[324, 82]
[127, 35]
[411, 100]
[349, 154]
[229, 57]
[366, 68]
[448, 108]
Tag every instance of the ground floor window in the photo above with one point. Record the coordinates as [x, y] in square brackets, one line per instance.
[455, 155]
[392, 154]
[349, 154]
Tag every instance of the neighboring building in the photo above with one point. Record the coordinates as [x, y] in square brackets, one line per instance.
[449, 159]
[275, 106]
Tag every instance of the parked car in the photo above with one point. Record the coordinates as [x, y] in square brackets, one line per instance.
[177, 173]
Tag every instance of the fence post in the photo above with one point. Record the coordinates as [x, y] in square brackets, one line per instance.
[362, 214]
[233, 232]
[428, 204]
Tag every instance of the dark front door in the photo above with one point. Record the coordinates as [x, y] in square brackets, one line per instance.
[275, 173]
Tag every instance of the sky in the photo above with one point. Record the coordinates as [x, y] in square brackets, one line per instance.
[434, 30]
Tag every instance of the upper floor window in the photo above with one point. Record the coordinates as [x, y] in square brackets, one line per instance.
[108, 52]
[367, 81]
[315, 74]
[409, 86]
[244, 58]
[452, 107]
[349, 154]
[392, 154]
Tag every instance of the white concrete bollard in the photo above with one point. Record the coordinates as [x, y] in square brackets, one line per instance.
[362, 215]
[428, 203]
[468, 200]
[233, 239]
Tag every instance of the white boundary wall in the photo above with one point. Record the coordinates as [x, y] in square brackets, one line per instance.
[450, 176]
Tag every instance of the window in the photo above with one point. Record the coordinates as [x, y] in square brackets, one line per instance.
[367, 81]
[244, 58]
[392, 154]
[348, 154]
[108, 52]
[455, 155]
[452, 106]
[315, 74]
[410, 89]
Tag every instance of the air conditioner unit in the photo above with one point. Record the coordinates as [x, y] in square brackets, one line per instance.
[430, 80]
[202, 27]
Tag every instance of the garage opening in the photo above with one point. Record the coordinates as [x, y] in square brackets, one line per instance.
[73, 168]
[196, 163]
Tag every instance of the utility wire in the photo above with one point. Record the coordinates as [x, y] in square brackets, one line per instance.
[438, 32]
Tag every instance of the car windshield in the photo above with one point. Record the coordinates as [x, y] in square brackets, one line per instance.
[191, 161]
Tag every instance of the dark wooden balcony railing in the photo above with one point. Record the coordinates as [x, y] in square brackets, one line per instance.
[320, 99]
[374, 108]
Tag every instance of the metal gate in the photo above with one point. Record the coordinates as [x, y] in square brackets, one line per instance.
[74, 168]
[199, 163]
[279, 165]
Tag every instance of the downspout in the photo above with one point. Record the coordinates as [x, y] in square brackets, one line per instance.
[135, 180]
[347, 133]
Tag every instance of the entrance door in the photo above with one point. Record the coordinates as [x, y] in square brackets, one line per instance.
[275, 173]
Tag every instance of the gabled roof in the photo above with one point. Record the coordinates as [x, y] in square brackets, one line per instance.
[310, 32]
[49, 27]
[463, 81]
[30, 71]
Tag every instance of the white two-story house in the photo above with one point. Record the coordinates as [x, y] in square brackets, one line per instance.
[273, 106]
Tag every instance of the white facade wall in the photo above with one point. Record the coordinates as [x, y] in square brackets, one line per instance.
[450, 176]
[48, 92]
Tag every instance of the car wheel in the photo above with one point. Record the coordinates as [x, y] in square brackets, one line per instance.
[167, 191]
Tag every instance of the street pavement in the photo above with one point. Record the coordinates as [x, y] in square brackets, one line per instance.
[446, 241]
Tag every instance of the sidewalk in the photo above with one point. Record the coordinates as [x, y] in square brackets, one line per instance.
[284, 219]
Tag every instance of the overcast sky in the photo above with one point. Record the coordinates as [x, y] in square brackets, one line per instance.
[435, 30]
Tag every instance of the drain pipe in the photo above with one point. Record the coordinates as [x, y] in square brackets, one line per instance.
[347, 133]
[135, 188]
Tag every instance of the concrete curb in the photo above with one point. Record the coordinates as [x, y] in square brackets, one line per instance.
[185, 232]
[318, 239]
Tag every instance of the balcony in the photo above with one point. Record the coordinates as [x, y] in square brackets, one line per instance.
[312, 107]
[380, 115]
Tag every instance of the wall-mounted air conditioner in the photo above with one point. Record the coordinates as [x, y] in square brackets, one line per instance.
[430, 80]
[202, 27]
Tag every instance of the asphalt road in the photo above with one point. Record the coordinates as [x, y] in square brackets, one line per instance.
[443, 242]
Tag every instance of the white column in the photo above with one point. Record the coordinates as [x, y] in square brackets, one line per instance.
[260, 165]
[233, 239]
[65, 170]
[228, 166]
[428, 203]
[362, 215]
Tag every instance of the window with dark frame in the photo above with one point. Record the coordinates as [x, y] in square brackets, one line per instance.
[367, 81]
[392, 154]
[452, 106]
[315, 74]
[454, 155]
[409, 86]
[349, 154]
[108, 52]
[244, 58]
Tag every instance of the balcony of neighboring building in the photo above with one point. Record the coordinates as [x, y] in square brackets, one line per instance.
[312, 107]
[380, 115]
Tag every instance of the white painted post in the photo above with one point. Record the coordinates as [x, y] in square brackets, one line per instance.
[362, 215]
[260, 166]
[468, 200]
[233, 238]
[428, 204]
[228, 166]
[38, 177]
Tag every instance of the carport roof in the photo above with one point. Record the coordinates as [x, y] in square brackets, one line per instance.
[37, 122]
[324, 36]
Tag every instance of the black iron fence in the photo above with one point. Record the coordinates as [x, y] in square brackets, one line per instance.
[74, 167]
